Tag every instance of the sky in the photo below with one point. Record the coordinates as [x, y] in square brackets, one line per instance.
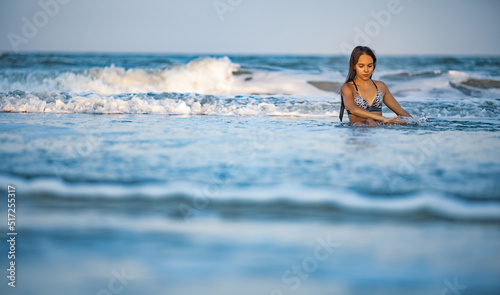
[309, 27]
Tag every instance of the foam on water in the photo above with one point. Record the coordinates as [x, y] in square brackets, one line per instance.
[165, 103]
[226, 105]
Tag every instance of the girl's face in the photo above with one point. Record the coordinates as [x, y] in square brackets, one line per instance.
[364, 67]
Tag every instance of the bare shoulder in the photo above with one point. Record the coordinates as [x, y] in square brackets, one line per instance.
[382, 87]
[380, 84]
[347, 88]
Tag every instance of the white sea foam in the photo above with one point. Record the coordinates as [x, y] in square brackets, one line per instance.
[229, 105]
[167, 103]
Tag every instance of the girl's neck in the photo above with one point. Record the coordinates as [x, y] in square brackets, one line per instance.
[359, 81]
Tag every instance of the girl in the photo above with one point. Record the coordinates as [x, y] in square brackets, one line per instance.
[363, 97]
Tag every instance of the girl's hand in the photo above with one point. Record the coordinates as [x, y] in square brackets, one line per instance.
[394, 121]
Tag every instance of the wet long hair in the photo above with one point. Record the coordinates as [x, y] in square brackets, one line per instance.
[356, 53]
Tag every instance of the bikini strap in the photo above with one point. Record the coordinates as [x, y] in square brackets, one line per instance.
[375, 84]
[355, 85]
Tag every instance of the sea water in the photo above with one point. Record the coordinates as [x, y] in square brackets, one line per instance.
[162, 174]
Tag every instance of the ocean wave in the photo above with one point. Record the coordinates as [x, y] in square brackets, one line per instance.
[222, 76]
[284, 201]
[204, 75]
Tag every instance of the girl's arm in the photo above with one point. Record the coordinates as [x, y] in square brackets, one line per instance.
[390, 101]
